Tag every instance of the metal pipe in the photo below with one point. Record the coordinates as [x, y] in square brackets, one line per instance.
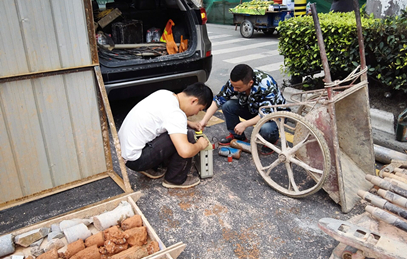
[331, 109]
[360, 39]
[321, 44]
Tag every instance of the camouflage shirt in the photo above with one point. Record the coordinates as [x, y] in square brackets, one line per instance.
[264, 92]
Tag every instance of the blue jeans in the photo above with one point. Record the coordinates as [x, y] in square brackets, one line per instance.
[233, 110]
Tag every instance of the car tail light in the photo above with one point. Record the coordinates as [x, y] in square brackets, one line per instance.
[208, 53]
[204, 17]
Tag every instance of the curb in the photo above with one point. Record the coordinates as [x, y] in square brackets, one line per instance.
[383, 132]
[383, 121]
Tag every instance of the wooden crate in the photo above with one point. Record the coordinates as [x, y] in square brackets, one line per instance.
[171, 252]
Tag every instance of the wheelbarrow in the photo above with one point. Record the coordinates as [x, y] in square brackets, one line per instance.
[327, 144]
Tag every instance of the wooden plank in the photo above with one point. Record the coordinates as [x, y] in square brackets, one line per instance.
[150, 229]
[112, 125]
[105, 133]
[118, 180]
[91, 31]
[82, 213]
[51, 191]
[353, 178]
[174, 251]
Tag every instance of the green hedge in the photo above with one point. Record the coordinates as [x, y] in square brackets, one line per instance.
[385, 46]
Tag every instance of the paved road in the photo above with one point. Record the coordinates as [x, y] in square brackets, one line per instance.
[229, 48]
[234, 214]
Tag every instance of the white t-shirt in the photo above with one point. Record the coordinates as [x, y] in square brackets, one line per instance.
[154, 115]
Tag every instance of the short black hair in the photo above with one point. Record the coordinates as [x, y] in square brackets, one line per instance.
[241, 72]
[200, 91]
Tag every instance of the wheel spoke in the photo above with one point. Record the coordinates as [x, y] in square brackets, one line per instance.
[271, 167]
[282, 134]
[301, 144]
[291, 177]
[305, 166]
[266, 143]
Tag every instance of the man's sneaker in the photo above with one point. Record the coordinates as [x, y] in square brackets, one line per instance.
[191, 181]
[265, 151]
[151, 173]
[226, 141]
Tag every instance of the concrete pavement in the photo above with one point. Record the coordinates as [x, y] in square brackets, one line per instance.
[234, 214]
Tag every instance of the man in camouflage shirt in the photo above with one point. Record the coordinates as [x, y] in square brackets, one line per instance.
[253, 89]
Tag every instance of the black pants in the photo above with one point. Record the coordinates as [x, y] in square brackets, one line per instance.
[161, 151]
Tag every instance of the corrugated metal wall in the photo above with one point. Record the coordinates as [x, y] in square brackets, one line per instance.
[50, 131]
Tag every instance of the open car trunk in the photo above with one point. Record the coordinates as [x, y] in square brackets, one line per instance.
[124, 42]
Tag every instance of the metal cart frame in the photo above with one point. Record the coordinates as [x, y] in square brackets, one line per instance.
[332, 145]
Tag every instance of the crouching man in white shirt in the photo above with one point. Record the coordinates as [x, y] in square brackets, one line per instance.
[156, 133]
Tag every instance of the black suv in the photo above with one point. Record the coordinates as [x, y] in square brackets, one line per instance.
[133, 65]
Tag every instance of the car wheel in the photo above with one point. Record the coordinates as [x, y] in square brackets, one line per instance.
[246, 29]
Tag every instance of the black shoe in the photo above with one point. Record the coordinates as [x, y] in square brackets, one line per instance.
[226, 141]
[265, 151]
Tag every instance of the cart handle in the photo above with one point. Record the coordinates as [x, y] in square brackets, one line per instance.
[352, 76]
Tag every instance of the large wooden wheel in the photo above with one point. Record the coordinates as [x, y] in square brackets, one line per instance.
[299, 167]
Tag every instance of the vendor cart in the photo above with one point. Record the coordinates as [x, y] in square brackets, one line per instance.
[265, 21]
[328, 144]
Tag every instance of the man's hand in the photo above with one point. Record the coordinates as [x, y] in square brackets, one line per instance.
[195, 125]
[202, 124]
[208, 114]
[239, 128]
[202, 142]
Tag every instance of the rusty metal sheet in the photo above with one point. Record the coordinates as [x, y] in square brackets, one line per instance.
[320, 118]
[42, 35]
[50, 119]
